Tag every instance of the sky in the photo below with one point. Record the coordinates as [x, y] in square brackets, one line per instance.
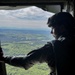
[26, 18]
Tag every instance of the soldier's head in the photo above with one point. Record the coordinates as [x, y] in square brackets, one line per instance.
[61, 23]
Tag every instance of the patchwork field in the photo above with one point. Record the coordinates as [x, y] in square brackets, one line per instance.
[20, 42]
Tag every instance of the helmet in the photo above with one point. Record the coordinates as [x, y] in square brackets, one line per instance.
[61, 18]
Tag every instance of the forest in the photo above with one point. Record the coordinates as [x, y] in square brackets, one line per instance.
[16, 42]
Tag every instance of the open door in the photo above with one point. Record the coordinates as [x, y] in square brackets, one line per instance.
[47, 6]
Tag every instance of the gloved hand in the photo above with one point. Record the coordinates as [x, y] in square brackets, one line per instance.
[1, 55]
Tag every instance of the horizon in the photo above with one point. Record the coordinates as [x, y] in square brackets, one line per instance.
[8, 28]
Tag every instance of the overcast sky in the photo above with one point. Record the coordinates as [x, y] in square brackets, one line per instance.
[30, 17]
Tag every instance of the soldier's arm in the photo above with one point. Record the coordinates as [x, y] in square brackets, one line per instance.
[35, 56]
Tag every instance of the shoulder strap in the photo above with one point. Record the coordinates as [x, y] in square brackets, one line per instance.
[55, 43]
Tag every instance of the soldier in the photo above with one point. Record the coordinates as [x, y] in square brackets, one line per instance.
[57, 53]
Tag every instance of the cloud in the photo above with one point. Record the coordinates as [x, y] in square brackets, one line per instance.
[30, 17]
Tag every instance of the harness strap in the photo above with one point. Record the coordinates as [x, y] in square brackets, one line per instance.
[53, 45]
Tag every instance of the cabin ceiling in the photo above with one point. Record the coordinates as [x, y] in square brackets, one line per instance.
[44, 4]
[14, 3]
[31, 1]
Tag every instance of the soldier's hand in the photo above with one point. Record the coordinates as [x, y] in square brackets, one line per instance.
[1, 56]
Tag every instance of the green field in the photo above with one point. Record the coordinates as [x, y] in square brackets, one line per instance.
[16, 43]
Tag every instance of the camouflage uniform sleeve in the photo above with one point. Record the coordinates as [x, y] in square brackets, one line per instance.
[40, 55]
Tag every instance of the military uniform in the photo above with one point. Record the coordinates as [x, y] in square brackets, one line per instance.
[57, 54]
